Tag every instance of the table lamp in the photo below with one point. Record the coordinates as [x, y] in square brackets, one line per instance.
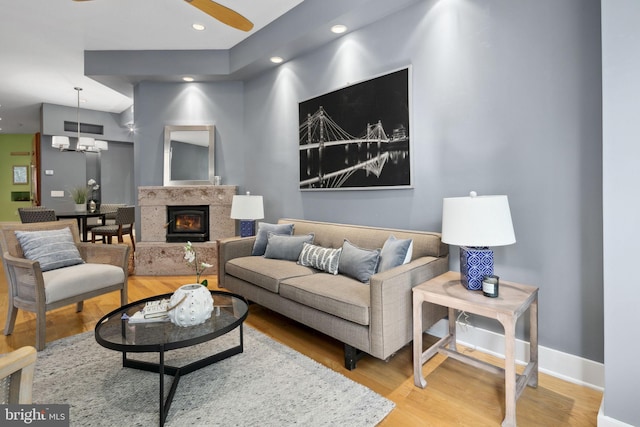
[474, 223]
[247, 209]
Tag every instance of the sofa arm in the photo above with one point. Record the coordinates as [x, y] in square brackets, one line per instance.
[230, 248]
[392, 303]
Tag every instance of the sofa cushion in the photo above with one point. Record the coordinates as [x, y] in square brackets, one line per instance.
[357, 262]
[262, 236]
[51, 248]
[339, 295]
[286, 247]
[325, 259]
[265, 272]
[395, 252]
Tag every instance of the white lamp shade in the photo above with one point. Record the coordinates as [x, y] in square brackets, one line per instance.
[102, 145]
[85, 142]
[247, 207]
[477, 221]
[61, 142]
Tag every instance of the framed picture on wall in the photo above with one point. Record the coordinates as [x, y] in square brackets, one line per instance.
[20, 175]
[357, 137]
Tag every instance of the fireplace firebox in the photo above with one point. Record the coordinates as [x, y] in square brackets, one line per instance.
[187, 224]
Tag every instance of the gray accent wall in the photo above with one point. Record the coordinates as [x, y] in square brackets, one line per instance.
[621, 151]
[157, 105]
[112, 169]
[505, 99]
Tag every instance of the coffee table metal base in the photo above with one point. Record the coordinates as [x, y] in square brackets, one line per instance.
[177, 372]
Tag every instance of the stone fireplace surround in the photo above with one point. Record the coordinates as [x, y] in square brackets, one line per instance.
[154, 256]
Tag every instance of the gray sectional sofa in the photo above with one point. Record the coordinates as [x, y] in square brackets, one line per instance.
[373, 318]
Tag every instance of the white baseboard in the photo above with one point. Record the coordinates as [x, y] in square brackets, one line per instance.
[565, 366]
[604, 421]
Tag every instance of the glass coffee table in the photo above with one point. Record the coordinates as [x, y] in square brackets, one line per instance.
[115, 332]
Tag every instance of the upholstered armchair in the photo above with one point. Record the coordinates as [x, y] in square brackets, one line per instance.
[47, 267]
[16, 375]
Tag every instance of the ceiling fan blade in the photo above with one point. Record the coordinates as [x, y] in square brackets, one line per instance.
[222, 14]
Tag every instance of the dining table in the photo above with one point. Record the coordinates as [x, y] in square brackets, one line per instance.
[81, 217]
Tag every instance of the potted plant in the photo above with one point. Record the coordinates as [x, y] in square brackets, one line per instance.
[79, 196]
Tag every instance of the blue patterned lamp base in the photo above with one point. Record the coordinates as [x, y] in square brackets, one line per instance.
[247, 228]
[475, 263]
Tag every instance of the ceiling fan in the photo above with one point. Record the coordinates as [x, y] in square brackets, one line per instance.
[221, 13]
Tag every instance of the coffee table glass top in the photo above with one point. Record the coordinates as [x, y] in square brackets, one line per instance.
[116, 333]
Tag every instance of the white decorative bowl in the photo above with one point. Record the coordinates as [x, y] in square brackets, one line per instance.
[196, 307]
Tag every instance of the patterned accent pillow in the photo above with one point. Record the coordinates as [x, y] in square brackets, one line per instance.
[52, 248]
[357, 262]
[262, 236]
[325, 259]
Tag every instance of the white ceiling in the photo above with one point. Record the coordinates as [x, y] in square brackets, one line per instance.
[42, 44]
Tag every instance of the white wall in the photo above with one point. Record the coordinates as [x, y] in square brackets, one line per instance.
[621, 152]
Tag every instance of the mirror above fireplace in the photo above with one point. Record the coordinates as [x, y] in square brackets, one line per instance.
[189, 155]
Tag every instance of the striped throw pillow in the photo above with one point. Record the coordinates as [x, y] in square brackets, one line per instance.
[325, 259]
[52, 248]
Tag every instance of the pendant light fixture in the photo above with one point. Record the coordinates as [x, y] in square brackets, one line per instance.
[84, 142]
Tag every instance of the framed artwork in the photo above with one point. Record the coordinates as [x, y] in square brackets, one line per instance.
[20, 175]
[357, 137]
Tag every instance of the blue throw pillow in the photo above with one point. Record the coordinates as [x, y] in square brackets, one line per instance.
[286, 247]
[395, 252]
[325, 259]
[52, 248]
[358, 263]
[262, 236]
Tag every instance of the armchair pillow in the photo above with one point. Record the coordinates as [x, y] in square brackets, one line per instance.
[262, 236]
[286, 247]
[357, 262]
[52, 248]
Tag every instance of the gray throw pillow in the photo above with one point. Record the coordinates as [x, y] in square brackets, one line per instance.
[52, 248]
[262, 236]
[358, 263]
[395, 252]
[325, 259]
[286, 247]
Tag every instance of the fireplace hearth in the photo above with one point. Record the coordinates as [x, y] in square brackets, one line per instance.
[187, 224]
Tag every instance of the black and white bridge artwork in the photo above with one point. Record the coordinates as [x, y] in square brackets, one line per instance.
[343, 142]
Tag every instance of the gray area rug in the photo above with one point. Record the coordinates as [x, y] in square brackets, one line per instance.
[268, 384]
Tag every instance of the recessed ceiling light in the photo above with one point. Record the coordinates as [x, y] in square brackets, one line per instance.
[188, 79]
[198, 27]
[83, 101]
[276, 59]
[338, 29]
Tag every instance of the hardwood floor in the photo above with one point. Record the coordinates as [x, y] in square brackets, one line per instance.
[456, 394]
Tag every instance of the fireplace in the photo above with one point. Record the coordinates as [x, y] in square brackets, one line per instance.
[187, 223]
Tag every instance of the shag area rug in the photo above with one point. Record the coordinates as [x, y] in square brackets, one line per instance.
[268, 384]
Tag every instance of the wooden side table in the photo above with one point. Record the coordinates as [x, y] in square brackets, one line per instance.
[513, 300]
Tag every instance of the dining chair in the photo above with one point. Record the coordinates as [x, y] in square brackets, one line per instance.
[36, 214]
[125, 218]
[16, 375]
[47, 267]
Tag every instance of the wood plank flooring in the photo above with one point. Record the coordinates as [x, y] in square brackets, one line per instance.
[456, 394]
